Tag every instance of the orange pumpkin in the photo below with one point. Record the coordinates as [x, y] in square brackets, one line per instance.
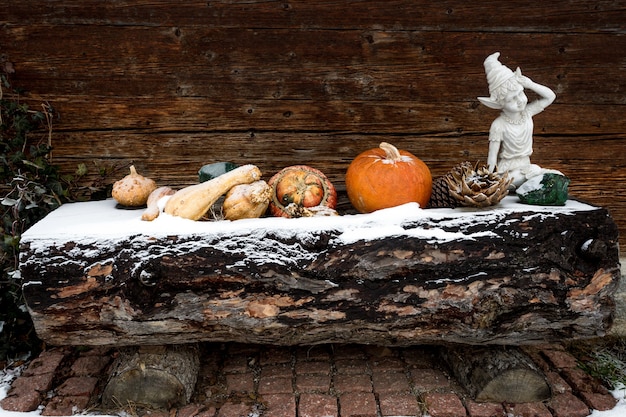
[303, 186]
[385, 177]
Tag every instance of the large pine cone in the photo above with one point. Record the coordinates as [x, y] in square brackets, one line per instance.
[468, 185]
[440, 196]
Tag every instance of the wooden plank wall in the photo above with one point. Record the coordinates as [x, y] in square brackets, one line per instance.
[170, 86]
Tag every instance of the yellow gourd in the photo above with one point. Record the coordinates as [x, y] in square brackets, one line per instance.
[194, 201]
[247, 201]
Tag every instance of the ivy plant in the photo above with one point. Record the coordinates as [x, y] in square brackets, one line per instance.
[30, 187]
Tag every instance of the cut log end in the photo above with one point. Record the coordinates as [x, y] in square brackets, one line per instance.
[515, 386]
[497, 374]
[156, 377]
[153, 388]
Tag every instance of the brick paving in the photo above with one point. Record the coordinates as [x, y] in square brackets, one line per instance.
[317, 381]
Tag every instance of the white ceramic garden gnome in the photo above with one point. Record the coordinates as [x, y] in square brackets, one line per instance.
[511, 133]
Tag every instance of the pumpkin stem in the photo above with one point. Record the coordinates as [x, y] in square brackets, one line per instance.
[133, 171]
[391, 152]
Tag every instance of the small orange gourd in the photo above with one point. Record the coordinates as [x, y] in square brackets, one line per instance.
[386, 177]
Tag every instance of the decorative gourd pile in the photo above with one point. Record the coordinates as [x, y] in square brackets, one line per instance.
[377, 178]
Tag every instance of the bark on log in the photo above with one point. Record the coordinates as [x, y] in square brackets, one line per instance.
[497, 374]
[153, 376]
[508, 275]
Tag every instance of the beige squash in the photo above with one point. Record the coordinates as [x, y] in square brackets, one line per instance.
[247, 201]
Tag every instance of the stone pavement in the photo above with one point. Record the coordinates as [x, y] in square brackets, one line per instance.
[326, 380]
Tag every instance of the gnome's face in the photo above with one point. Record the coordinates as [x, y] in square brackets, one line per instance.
[515, 100]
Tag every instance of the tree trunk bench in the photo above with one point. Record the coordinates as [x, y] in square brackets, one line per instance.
[514, 274]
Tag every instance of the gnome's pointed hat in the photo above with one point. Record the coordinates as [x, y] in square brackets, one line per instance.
[497, 74]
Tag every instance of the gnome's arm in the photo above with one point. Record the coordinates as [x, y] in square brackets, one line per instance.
[546, 95]
[495, 139]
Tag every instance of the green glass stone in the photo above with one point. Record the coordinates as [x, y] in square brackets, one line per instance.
[550, 190]
[214, 170]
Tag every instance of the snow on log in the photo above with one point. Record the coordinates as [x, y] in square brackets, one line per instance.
[514, 274]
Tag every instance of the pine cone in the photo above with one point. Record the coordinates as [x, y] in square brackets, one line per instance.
[469, 186]
[477, 187]
[440, 196]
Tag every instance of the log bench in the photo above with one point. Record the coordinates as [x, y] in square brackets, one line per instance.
[513, 275]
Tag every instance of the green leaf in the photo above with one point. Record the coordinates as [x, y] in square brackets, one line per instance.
[81, 170]
[8, 201]
[32, 164]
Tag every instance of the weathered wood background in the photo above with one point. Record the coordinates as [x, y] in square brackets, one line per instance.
[170, 86]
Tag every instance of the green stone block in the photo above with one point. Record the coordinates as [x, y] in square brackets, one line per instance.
[214, 170]
[548, 189]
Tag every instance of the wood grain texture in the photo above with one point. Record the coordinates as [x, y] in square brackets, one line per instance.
[172, 86]
[515, 15]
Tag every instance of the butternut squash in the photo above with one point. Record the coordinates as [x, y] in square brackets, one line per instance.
[194, 201]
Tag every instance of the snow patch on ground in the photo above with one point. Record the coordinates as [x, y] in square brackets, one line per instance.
[620, 408]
